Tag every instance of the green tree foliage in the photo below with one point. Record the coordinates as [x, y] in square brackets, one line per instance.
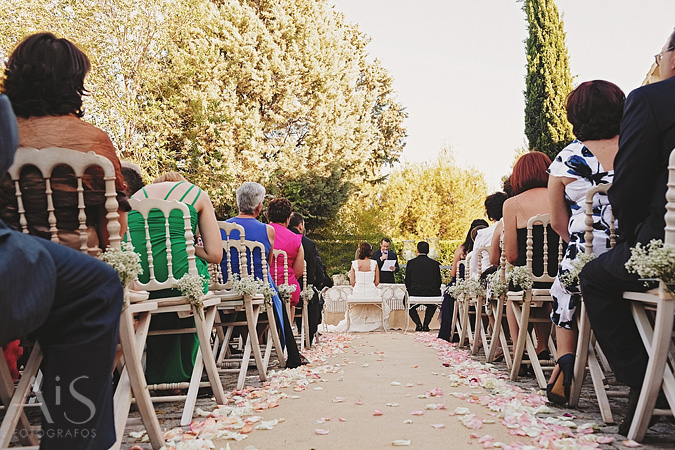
[418, 200]
[278, 92]
[548, 79]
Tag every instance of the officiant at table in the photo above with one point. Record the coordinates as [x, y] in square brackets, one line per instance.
[385, 253]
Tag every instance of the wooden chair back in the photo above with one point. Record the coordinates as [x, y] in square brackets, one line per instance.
[48, 159]
[231, 244]
[283, 256]
[547, 253]
[591, 206]
[144, 207]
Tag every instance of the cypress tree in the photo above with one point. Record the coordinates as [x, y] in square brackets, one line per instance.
[548, 79]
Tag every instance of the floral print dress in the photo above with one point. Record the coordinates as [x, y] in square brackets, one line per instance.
[576, 161]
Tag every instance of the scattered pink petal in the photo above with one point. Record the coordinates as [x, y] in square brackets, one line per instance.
[438, 426]
[359, 402]
[342, 419]
[409, 385]
[378, 412]
[417, 413]
[321, 431]
[605, 439]
[631, 444]
[338, 400]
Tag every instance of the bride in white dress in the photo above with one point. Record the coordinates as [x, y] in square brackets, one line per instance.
[364, 277]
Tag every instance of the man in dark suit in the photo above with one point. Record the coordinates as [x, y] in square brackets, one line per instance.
[423, 279]
[316, 272]
[638, 202]
[384, 253]
[72, 303]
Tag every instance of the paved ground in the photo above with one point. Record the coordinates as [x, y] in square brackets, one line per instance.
[361, 364]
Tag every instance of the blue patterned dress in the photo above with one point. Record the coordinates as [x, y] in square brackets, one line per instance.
[576, 161]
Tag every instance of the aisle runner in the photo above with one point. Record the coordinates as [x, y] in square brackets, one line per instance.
[524, 414]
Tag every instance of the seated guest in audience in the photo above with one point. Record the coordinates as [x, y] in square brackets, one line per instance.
[72, 304]
[316, 271]
[457, 272]
[638, 201]
[170, 358]
[423, 279]
[132, 177]
[44, 81]
[279, 214]
[493, 209]
[529, 180]
[250, 197]
[594, 109]
[384, 253]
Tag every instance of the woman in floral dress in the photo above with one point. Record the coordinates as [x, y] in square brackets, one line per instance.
[594, 109]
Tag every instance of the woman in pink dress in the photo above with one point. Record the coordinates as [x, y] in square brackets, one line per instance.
[279, 213]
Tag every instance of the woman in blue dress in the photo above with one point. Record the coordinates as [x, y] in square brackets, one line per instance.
[594, 109]
[250, 197]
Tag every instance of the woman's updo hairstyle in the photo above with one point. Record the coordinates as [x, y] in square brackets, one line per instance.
[279, 210]
[365, 250]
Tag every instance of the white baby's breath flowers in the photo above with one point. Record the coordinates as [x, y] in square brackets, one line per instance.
[308, 293]
[498, 286]
[192, 286]
[520, 276]
[571, 278]
[249, 286]
[286, 291]
[655, 260]
[473, 287]
[456, 290]
[126, 262]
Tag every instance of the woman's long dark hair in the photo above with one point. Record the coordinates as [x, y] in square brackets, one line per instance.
[365, 250]
[45, 77]
[468, 242]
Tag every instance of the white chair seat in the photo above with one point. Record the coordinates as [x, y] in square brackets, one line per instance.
[415, 300]
[364, 300]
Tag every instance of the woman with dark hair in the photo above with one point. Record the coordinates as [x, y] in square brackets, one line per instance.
[529, 180]
[594, 109]
[279, 214]
[44, 81]
[457, 271]
[364, 276]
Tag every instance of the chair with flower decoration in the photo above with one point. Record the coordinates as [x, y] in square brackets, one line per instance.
[150, 213]
[460, 313]
[232, 302]
[654, 314]
[39, 167]
[587, 350]
[481, 337]
[498, 310]
[524, 300]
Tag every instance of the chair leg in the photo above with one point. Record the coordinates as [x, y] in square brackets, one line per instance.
[275, 337]
[204, 325]
[497, 331]
[252, 323]
[657, 343]
[14, 408]
[6, 394]
[581, 360]
[305, 326]
[522, 336]
[478, 326]
[132, 379]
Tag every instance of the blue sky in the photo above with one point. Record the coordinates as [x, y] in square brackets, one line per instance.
[459, 65]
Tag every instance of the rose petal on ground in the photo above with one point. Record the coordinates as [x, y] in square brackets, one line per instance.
[417, 413]
[393, 405]
[365, 365]
[409, 385]
[359, 402]
[395, 383]
[407, 421]
[415, 366]
[400, 443]
[338, 400]
[321, 431]
[438, 426]
[605, 439]
[342, 419]
[378, 412]
[631, 444]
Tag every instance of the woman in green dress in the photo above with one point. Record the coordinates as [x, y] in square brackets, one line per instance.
[170, 358]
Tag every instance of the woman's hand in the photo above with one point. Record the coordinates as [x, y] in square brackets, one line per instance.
[559, 211]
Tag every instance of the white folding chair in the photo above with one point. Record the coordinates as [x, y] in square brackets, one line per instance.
[203, 314]
[45, 162]
[654, 314]
[587, 350]
[522, 303]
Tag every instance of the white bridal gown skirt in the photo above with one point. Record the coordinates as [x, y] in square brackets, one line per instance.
[364, 317]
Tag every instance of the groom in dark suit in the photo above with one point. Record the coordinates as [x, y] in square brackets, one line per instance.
[383, 254]
[423, 279]
[638, 202]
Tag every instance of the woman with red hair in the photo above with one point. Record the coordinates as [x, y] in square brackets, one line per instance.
[529, 181]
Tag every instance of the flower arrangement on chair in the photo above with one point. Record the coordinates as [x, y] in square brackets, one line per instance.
[655, 261]
[192, 286]
[125, 261]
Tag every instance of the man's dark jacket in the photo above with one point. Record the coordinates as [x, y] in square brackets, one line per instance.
[423, 277]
